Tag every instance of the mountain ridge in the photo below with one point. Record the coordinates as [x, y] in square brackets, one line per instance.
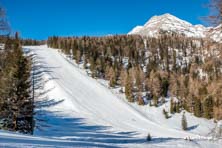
[171, 23]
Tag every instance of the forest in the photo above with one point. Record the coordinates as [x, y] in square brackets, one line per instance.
[188, 70]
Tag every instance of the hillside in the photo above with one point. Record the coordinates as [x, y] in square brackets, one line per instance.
[78, 111]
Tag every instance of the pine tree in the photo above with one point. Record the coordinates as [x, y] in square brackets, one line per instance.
[171, 106]
[112, 77]
[177, 107]
[148, 138]
[128, 89]
[208, 107]
[155, 84]
[17, 106]
[78, 56]
[92, 67]
[164, 86]
[155, 101]
[139, 78]
[24, 102]
[184, 122]
[197, 107]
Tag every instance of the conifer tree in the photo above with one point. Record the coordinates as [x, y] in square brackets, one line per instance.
[148, 138]
[138, 78]
[197, 108]
[128, 89]
[164, 85]
[78, 56]
[112, 77]
[184, 122]
[92, 67]
[17, 106]
[171, 106]
[177, 107]
[155, 101]
[208, 107]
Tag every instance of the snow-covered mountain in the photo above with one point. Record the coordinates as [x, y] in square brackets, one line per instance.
[170, 23]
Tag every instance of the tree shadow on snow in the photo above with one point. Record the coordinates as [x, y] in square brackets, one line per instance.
[162, 140]
[192, 127]
[77, 131]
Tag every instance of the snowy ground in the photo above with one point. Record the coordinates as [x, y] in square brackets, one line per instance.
[74, 110]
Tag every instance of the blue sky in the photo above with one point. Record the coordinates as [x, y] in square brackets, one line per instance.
[39, 19]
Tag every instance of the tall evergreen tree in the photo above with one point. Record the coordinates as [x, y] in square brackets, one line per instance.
[197, 108]
[112, 77]
[128, 89]
[184, 122]
[208, 107]
[171, 106]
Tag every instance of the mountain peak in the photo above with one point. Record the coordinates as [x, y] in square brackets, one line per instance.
[166, 19]
[169, 23]
[166, 15]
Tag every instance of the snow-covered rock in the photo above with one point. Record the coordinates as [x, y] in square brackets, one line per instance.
[172, 24]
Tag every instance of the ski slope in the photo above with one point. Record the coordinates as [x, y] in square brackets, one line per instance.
[75, 110]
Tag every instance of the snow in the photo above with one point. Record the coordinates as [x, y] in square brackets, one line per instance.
[75, 110]
[2, 46]
[136, 30]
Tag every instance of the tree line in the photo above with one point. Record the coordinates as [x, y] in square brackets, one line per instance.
[32, 42]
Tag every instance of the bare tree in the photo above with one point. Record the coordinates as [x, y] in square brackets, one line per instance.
[4, 25]
[215, 16]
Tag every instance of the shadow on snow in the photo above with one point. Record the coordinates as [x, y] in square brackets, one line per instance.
[75, 131]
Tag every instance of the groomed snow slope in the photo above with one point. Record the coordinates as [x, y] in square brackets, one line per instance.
[75, 110]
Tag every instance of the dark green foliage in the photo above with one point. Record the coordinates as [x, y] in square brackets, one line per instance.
[16, 105]
[164, 85]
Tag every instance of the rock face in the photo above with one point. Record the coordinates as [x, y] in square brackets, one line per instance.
[169, 23]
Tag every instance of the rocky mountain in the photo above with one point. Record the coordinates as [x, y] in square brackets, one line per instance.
[169, 23]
